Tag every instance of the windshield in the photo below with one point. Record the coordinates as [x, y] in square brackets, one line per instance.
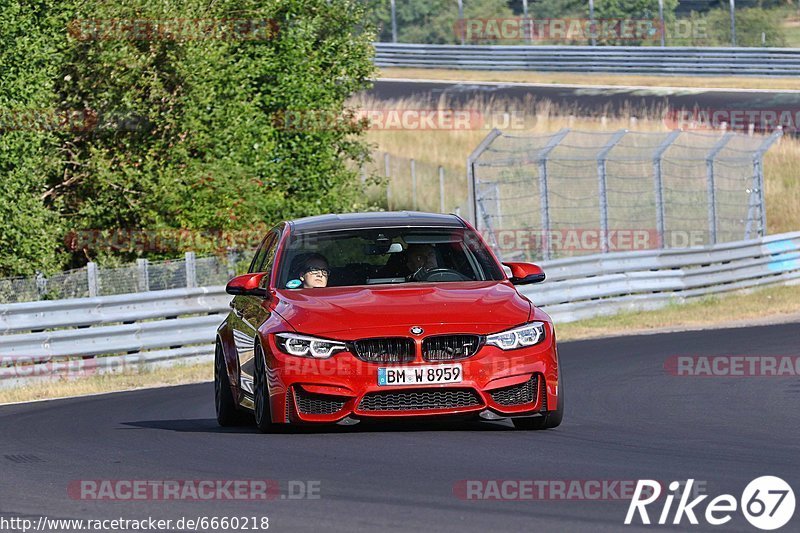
[386, 256]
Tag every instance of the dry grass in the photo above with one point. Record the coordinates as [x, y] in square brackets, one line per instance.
[782, 181]
[129, 380]
[571, 78]
[450, 149]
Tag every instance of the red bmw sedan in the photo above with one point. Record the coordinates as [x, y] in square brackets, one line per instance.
[343, 318]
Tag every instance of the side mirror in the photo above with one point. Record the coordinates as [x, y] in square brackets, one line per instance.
[247, 284]
[525, 273]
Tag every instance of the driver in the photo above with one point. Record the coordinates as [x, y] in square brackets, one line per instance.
[420, 258]
[310, 270]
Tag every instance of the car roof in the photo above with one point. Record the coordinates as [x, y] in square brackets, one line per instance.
[376, 219]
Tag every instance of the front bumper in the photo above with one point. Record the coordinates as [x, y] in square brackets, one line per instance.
[511, 383]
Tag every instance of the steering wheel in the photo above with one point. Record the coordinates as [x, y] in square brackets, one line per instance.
[440, 274]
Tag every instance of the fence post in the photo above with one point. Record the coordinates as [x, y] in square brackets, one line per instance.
[41, 285]
[414, 184]
[472, 200]
[387, 174]
[544, 196]
[602, 156]
[758, 180]
[233, 258]
[497, 210]
[91, 278]
[441, 190]
[659, 185]
[752, 202]
[527, 23]
[394, 22]
[461, 19]
[191, 270]
[712, 188]
[143, 275]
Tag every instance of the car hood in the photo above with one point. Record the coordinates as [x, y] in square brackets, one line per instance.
[353, 312]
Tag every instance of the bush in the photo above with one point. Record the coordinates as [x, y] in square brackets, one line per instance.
[188, 132]
[750, 23]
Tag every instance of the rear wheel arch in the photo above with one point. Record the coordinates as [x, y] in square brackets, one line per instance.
[225, 340]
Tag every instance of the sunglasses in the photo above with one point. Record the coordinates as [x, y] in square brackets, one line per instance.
[321, 271]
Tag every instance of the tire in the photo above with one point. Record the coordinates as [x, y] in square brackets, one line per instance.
[261, 403]
[227, 413]
[549, 419]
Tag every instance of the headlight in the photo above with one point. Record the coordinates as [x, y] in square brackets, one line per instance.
[305, 346]
[527, 335]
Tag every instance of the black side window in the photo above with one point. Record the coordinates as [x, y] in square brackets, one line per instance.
[269, 255]
[258, 259]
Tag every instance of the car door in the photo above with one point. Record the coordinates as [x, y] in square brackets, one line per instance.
[250, 314]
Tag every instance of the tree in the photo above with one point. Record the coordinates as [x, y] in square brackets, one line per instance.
[185, 129]
[30, 52]
[633, 10]
[750, 24]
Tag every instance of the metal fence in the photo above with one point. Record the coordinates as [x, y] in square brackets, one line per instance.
[573, 192]
[411, 184]
[578, 22]
[588, 59]
[142, 276]
[42, 340]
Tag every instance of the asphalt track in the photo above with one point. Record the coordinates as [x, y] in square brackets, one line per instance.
[588, 100]
[626, 419]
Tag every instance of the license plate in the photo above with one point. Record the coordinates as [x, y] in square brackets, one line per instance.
[419, 375]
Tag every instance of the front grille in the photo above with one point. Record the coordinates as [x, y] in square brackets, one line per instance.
[450, 347]
[317, 404]
[385, 350]
[419, 399]
[516, 394]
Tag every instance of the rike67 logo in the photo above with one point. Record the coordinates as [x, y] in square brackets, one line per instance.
[767, 503]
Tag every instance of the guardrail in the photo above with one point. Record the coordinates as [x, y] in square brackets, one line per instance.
[584, 287]
[52, 338]
[65, 337]
[617, 59]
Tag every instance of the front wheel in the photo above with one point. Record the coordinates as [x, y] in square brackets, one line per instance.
[261, 395]
[549, 419]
